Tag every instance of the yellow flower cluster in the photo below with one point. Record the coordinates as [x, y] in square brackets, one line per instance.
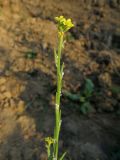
[64, 24]
[49, 141]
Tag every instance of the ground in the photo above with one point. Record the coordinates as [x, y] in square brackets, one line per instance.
[28, 36]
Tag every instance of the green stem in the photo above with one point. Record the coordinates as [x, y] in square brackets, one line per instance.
[58, 95]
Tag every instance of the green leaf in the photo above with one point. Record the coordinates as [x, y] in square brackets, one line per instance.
[86, 108]
[30, 55]
[62, 157]
[73, 97]
[82, 99]
[89, 88]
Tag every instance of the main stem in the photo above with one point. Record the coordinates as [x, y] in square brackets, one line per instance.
[58, 95]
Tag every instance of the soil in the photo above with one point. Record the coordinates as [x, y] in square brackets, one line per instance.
[28, 35]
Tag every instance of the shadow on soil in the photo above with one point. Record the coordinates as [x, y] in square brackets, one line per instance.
[83, 137]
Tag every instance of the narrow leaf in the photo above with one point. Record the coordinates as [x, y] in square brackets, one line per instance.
[62, 157]
[89, 88]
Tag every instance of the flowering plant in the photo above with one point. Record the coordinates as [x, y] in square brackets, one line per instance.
[63, 24]
[52, 144]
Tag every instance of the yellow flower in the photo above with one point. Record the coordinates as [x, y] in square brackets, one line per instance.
[61, 18]
[49, 141]
[64, 24]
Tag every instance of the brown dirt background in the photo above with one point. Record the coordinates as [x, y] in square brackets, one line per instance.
[27, 87]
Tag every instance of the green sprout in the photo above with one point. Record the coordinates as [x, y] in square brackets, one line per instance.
[63, 26]
[84, 97]
[30, 55]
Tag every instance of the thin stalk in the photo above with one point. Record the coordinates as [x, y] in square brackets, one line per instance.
[52, 144]
[58, 95]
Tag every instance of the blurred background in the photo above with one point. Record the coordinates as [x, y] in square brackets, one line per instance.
[91, 88]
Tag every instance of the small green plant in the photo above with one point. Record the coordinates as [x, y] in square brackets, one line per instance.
[84, 97]
[86, 106]
[30, 55]
[52, 144]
